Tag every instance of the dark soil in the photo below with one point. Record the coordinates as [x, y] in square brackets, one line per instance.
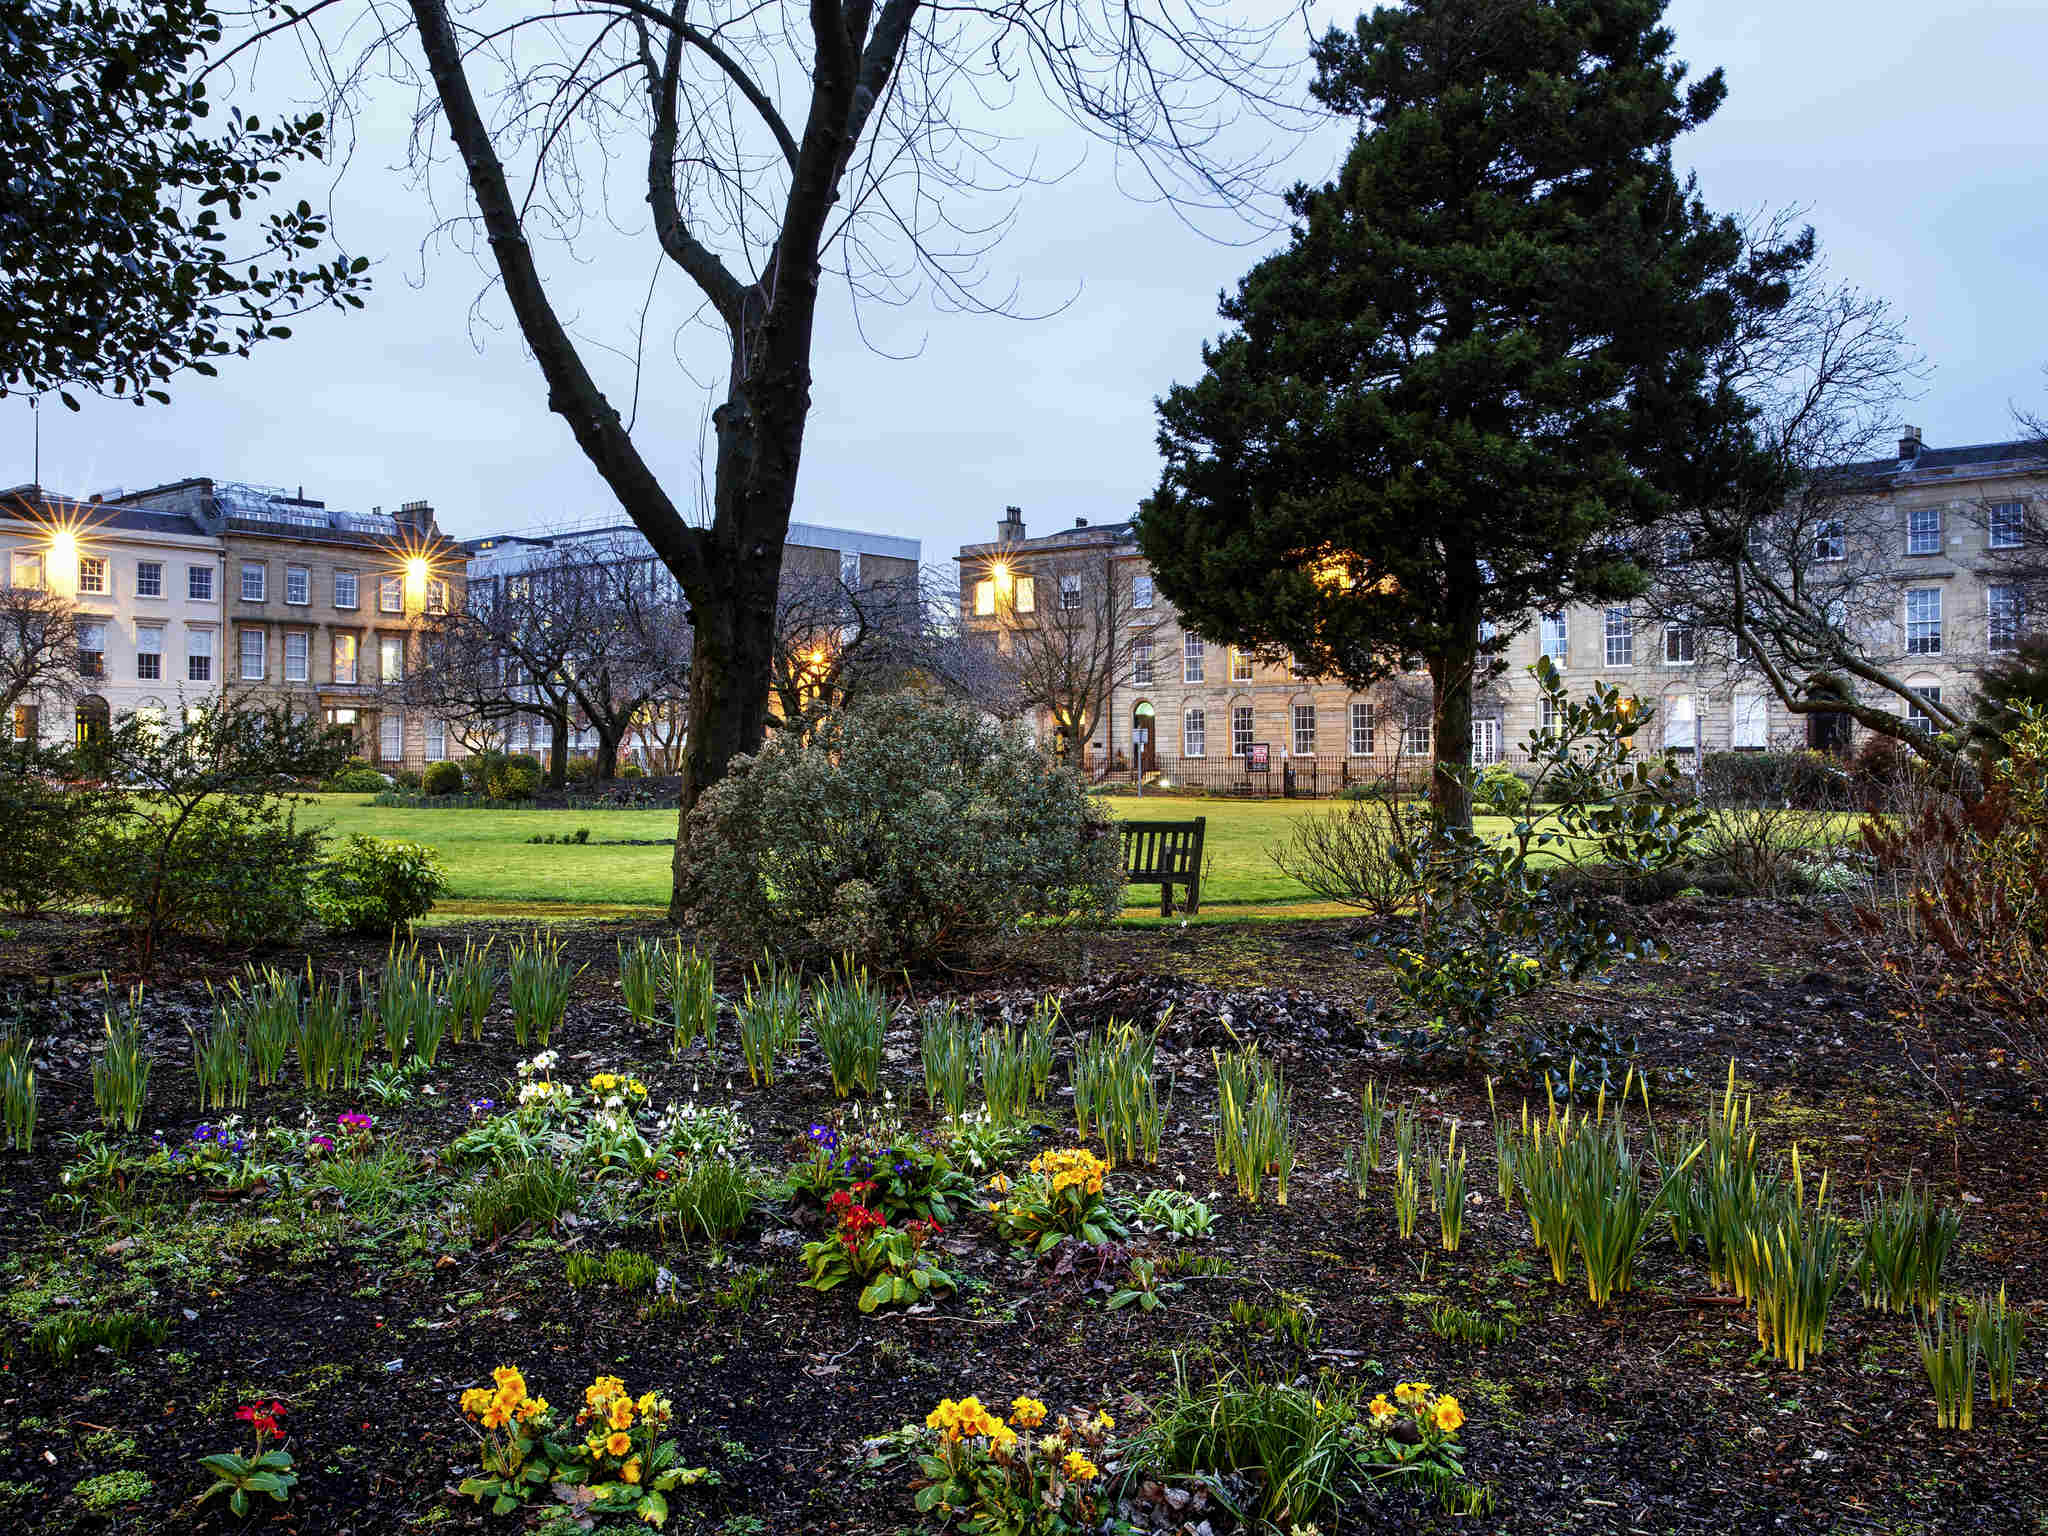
[1657, 1414]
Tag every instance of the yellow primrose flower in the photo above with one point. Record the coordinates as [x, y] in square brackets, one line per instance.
[1383, 1412]
[603, 1390]
[1449, 1416]
[618, 1444]
[1027, 1412]
[1080, 1468]
[1409, 1393]
[621, 1416]
[494, 1417]
[1103, 1420]
[476, 1400]
[531, 1409]
[647, 1402]
[630, 1472]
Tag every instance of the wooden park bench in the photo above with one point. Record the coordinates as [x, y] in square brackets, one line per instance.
[1166, 854]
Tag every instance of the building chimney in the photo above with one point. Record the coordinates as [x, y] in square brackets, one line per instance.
[1080, 522]
[416, 514]
[1909, 443]
[1010, 527]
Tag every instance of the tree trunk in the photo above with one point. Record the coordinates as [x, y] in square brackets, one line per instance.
[558, 751]
[1452, 672]
[608, 753]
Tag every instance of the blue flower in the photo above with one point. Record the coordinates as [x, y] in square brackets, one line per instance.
[203, 1133]
[240, 1143]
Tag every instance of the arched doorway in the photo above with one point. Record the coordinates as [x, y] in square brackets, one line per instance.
[1144, 738]
[92, 719]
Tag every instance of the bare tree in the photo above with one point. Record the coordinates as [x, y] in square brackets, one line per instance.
[777, 143]
[659, 731]
[1072, 646]
[1786, 569]
[39, 657]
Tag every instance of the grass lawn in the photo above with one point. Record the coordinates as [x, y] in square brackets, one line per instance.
[494, 871]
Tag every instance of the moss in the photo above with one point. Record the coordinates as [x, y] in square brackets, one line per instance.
[110, 1490]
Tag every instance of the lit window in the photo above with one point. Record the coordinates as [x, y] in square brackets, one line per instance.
[298, 585]
[1552, 636]
[390, 658]
[1025, 598]
[1923, 621]
[1361, 729]
[1241, 730]
[251, 641]
[1830, 541]
[1917, 717]
[2007, 524]
[28, 570]
[199, 653]
[1240, 665]
[984, 598]
[344, 589]
[1923, 531]
[253, 573]
[92, 575]
[2002, 618]
[1141, 662]
[199, 583]
[92, 649]
[1191, 658]
[1194, 735]
[298, 648]
[1304, 730]
[391, 594]
[1415, 730]
[344, 658]
[149, 578]
[1141, 591]
[1678, 645]
[1620, 631]
[149, 652]
[1681, 724]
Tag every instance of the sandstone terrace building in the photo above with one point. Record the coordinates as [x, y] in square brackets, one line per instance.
[1933, 532]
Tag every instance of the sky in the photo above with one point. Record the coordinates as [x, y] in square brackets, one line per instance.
[1912, 135]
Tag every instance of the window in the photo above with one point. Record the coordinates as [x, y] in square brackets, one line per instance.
[149, 578]
[1923, 621]
[437, 595]
[1830, 542]
[1141, 661]
[27, 722]
[298, 647]
[1415, 729]
[199, 652]
[1750, 723]
[1917, 717]
[252, 655]
[344, 589]
[2007, 524]
[28, 570]
[1141, 591]
[1240, 665]
[849, 568]
[1681, 724]
[344, 658]
[984, 597]
[1304, 730]
[436, 732]
[391, 594]
[390, 737]
[92, 575]
[390, 658]
[1923, 531]
[1070, 592]
[149, 652]
[1552, 636]
[1620, 630]
[1361, 729]
[1678, 645]
[1194, 734]
[1241, 730]
[1677, 546]
[92, 649]
[1191, 658]
[298, 585]
[1025, 595]
[199, 583]
[2002, 618]
[1553, 717]
[253, 573]
[1485, 741]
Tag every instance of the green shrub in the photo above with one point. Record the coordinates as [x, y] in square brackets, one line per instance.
[355, 781]
[580, 770]
[442, 779]
[897, 832]
[48, 822]
[375, 886]
[1501, 789]
[477, 771]
[632, 771]
[1802, 781]
[515, 782]
[240, 871]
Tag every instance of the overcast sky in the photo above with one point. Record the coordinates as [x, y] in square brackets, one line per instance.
[1913, 133]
